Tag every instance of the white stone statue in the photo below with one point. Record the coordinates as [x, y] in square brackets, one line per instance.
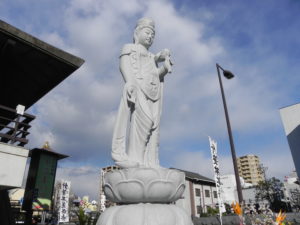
[139, 113]
[143, 190]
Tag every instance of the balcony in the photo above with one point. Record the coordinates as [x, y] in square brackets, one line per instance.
[14, 127]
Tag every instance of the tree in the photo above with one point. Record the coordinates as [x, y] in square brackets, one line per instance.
[270, 190]
[295, 198]
[228, 208]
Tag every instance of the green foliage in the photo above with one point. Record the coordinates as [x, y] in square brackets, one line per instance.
[86, 219]
[204, 215]
[228, 209]
[82, 217]
[270, 190]
[212, 211]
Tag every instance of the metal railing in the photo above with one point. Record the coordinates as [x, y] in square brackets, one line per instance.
[13, 126]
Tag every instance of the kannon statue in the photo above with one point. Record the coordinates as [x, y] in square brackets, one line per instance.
[136, 133]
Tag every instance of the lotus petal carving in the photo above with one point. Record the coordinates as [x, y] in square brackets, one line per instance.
[135, 185]
[145, 214]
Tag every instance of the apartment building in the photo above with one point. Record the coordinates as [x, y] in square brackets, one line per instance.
[249, 169]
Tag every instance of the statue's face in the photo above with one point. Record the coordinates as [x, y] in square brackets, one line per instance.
[145, 37]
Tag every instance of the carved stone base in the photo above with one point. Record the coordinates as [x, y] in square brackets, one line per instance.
[145, 214]
[152, 190]
[144, 185]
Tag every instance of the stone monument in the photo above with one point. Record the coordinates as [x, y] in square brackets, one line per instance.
[143, 190]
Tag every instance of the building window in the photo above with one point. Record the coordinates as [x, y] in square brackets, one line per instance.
[207, 194]
[199, 209]
[215, 194]
[197, 190]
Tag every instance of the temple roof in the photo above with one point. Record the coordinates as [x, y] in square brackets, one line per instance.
[196, 177]
[30, 68]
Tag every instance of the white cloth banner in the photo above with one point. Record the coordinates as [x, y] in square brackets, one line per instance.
[102, 202]
[63, 211]
[213, 149]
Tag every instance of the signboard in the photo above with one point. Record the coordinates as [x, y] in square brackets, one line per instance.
[102, 195]
[213, 149]
[102, 202]
[63, 203]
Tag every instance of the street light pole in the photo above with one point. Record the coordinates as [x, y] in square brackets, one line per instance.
[229, 75]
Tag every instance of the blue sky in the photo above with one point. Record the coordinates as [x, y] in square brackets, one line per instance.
[257, 40]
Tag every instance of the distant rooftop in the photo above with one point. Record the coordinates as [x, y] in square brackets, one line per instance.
[196, 176]
[249, 155]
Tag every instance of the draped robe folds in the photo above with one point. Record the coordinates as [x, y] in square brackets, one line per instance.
[138, 117]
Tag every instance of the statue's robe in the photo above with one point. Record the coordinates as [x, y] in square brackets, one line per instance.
[139, 115]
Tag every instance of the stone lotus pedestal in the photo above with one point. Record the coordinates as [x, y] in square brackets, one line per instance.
[145, 197]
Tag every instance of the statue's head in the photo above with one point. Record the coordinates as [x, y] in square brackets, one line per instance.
[144, 32]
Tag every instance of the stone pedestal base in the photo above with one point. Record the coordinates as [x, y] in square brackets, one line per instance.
[145, 214]
[146, 196]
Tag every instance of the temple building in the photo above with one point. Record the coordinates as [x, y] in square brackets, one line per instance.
[199, 195]
[30, 68]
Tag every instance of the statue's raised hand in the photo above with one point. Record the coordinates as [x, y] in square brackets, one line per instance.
[164, 56]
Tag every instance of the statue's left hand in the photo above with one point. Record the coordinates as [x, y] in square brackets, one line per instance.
[164, 55]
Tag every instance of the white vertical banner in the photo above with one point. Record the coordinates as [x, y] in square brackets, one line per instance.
[102, 202]
[102, 195]
[63, 211]
[213, 150]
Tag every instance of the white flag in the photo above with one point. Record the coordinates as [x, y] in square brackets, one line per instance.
[213, 149]
[63, 212]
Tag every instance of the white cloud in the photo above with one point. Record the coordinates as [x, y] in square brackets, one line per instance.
[278, 165]
[200, 163]
[85, 180]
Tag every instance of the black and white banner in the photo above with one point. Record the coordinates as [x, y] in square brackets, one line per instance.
[213, 149]
[63, 212]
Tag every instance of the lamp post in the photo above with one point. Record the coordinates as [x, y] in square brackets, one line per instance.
[230, 75]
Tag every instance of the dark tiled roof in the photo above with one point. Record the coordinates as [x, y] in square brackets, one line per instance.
[196, 176]
[30, 68]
